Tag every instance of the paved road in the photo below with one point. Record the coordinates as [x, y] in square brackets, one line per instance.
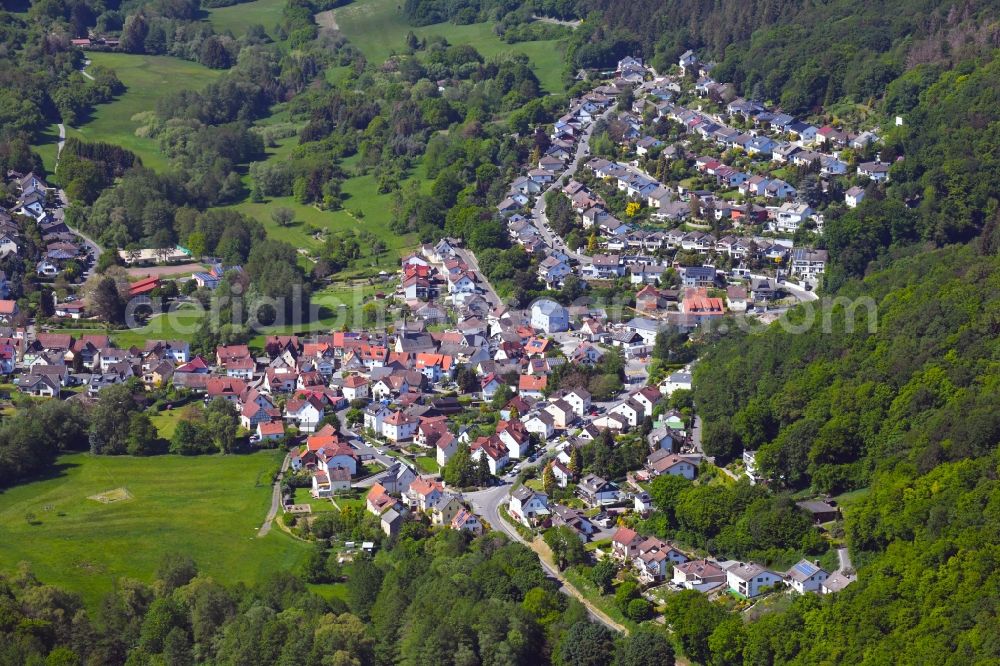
[800, 293]
[469, 257]
[62, 141]
[538, 210]
[83, 70]
[95, 249]
[275, 498]
[486, 503]
[844, 559]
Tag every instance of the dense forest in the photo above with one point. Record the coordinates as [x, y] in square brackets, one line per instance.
[427, 599]
[800, 55]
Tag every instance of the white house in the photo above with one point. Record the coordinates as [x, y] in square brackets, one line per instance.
[399, 426]
[748, 579]
[630, 410]
[597, 491]
[854, 196]
[678, 381]
[304, 414]
[579, 400]
[806, 576]
[375, 415]
[528, 506]
[541, 424]
[549, 316]
[447, 445]
[663, 462]
[354, 387]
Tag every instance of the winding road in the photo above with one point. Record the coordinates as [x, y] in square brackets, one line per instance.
[486, 503]
[95, 249]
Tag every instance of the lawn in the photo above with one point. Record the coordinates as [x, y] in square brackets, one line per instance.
[48, 147]
[177, 325]
[146, 78]
[208, 507]
[237, 18]
[166, 421]
[302, 496]
[428, 464]
[378, 28]
[355, 502]
[336, 305]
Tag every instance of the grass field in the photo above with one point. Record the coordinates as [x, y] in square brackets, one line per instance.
[237, 18]
[147, 78]
[361, 195]
[378, 28]
[179, 325]
[208, 507]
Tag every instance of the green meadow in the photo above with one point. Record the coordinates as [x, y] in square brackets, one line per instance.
[378, 28]
[146, 78]
[208, 507]
[237, 18]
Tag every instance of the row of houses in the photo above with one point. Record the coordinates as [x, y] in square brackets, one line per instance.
[655, 561]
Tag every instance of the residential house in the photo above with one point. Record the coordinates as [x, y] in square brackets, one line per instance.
[701, 575]
[528, 506]
[399, 426]
[423, 493]
[540, 423]
[654, 558]
[354, 387]
[630, 410]
[305, 413]
[698, 276]
[496, 453]
[549, 316]
[391, 522]
[375, 415]
[574, 519]
[877, 171]
[596, 491]
[625, 544]
[749, 580]
[642, 503]
[446, 446]
[561, 412]
[836, 582]
[806, 576]
[736, 298]
[562, 473]
[489, 385]
[662, 462]
[808, 263]
[552, 270]
[532, 386]
[465, 520]
[330, 482]
[821, 512]
[854, 196]
[444, 509]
